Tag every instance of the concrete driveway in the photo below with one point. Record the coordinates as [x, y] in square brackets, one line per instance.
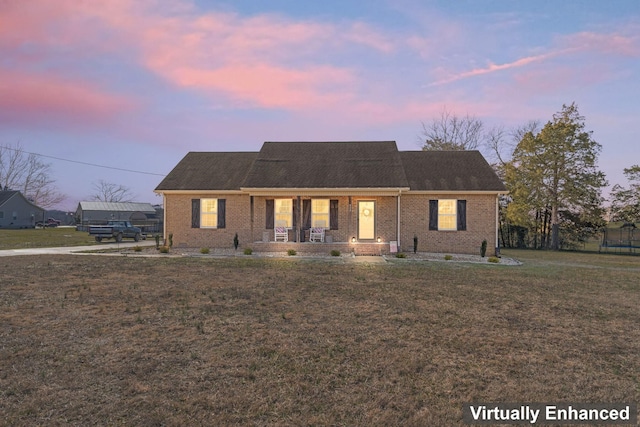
[72, 249]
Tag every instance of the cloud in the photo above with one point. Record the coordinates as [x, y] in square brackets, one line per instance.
[63, 63]
[492, 68]
[586, 43]
[610, 44]
[361, 33]
[266, 85]
[350, 71]
[260, 61]
[53, 100]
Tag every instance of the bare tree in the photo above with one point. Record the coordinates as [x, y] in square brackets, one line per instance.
[110, 192]
[452, 132]
[25, 172]
[517, 134]
[501, 143]
[495, 141]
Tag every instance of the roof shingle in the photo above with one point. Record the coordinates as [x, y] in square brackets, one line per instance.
[209, 171]
[376, 164]
[449, 171]
[327, 165]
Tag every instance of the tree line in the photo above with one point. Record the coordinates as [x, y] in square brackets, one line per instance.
[28, 173]
[551, 172]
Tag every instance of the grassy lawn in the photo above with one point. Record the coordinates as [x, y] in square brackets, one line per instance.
[249, 341]
[43, 238]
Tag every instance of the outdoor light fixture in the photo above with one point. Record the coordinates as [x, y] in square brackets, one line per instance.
[353, 240]
[379, 239]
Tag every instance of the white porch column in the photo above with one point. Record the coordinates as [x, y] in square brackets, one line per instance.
[398, 222]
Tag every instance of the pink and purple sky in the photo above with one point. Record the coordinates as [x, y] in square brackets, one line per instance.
[136, 84]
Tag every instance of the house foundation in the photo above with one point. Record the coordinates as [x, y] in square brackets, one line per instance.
[357, 248]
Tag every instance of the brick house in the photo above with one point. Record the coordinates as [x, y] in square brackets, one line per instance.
[351, 196]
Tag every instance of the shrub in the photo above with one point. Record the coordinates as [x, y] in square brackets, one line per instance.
[204, 251]
[236, 242]
[170, 240]
[401, 255]
[157, 237]
[415, 243]
[483, 248]
[335, 252]
[248, 251]
[164, 249]
[292, 252]
[494, 259]
[137, 249]
[448, 257]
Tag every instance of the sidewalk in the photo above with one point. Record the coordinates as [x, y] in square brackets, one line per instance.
[71, 249]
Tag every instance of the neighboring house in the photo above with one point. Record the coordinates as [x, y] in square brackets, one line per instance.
[359, 193]
[18, 212]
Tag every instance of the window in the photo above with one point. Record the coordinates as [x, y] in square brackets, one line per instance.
[1, 215]
[208, 213]
[448, 215]
[283, 213]
[320, 213]
[15, 215]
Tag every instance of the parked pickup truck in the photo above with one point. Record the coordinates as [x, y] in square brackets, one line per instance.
[116, 229]
[50, 222]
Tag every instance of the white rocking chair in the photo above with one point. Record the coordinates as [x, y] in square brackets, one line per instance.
[316, 234]
[281, 234]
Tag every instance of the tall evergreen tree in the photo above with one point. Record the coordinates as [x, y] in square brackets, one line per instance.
[553, 173]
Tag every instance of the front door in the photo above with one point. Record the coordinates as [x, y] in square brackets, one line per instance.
[366, 220]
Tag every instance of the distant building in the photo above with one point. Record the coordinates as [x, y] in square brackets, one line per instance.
[18, 212]
[144, 215]
[106, 211]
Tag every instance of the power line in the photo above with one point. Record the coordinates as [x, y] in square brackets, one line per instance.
[84, 163]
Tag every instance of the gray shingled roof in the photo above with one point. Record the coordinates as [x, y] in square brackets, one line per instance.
[327, 165]
[117, 206]
[449, 171]
[209, 171]
[6, 195]
[334, 165]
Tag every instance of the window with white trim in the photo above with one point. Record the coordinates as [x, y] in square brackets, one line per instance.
[283, 209]
[320, 213]
[447, 214]
[209, 213]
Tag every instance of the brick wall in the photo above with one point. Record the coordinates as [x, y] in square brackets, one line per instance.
[347, 217]
[481, 225]
[481, 216]
[178, 221]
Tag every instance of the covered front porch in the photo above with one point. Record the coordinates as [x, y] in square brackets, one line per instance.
[365, 219]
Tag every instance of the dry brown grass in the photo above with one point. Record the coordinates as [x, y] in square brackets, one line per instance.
[88, 340]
